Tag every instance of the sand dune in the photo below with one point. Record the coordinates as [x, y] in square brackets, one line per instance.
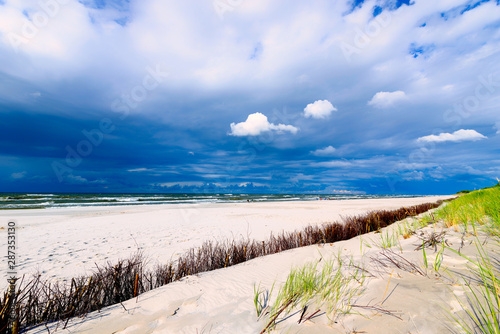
[67, 242]
[393, 300]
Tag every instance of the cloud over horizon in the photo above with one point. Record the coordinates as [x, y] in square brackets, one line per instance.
[324, 152]
[387, 99]
[457, 136]
[257, 124]
[320, 109]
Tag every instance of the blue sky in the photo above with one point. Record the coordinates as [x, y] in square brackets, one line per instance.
[377, 97]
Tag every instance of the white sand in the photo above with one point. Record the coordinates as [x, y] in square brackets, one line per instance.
[67, 242]
[221, 301]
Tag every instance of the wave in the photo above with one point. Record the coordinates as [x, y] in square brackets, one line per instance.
[36, 200]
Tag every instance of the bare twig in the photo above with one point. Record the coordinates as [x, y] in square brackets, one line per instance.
[277, 314]
[378, 309]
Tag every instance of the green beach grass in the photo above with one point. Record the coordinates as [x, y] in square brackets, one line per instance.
[330, 289]
[474, 212]
[475, 208]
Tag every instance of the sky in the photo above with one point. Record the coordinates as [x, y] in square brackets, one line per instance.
[249, 96]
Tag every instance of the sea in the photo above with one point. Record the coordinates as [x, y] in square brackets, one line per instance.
[12, 201]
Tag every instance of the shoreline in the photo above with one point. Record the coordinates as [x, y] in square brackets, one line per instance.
[27, 201]
[61, 243]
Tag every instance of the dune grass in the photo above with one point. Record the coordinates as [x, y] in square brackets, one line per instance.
[41, 301]
[388, 239]
[309, 290]
[473, 214]
[482, 305]
[477, 207]
[478, 211]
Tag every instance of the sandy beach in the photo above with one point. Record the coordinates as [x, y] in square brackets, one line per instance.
[222, 301]
[62, 243]
[405, 296]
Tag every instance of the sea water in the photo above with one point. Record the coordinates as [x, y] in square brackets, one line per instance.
[41, 201]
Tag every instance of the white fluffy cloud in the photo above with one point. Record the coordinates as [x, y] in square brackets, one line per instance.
[497, 127]
[333, 164]
[319, 109]
[460, 135]
[387, 99]
[256, 124]
[323, 152]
